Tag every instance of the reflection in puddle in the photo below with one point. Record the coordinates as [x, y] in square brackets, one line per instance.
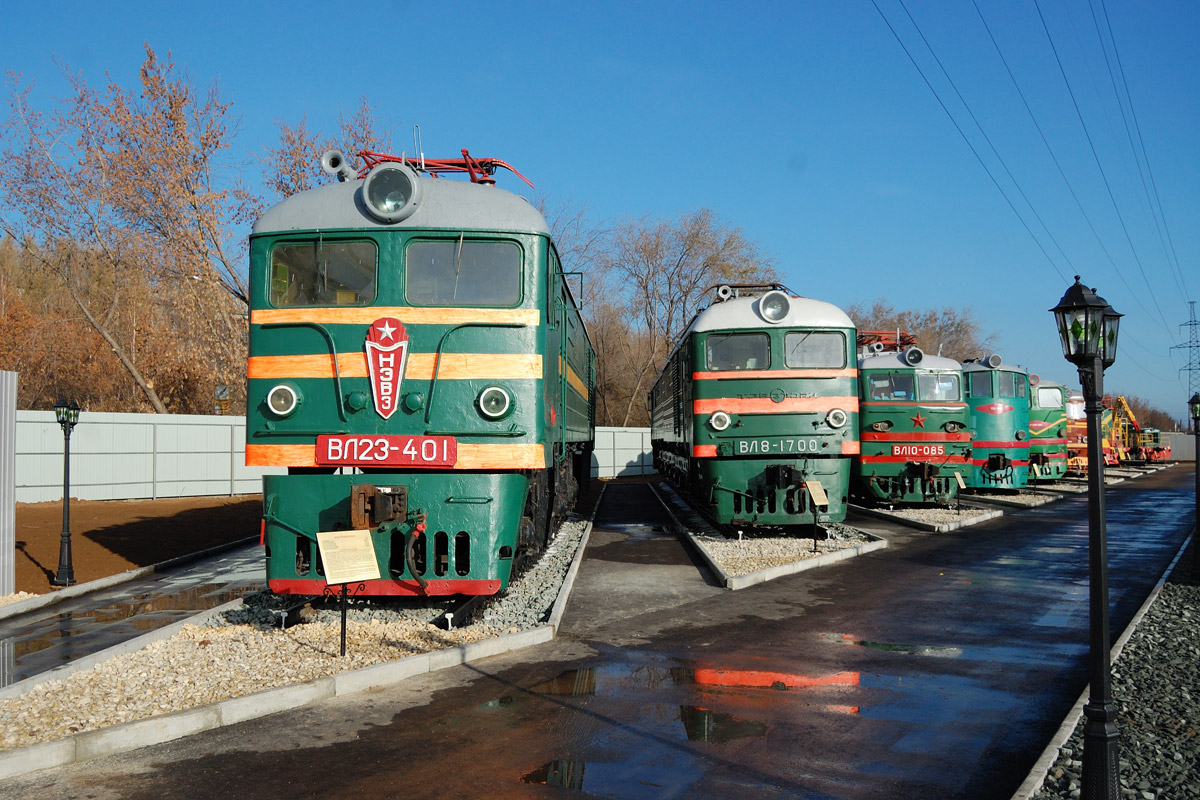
[705, 725]
[932, 651]
[67, 636]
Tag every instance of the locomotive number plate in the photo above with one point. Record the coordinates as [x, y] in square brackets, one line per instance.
[386, 451]
[918, 449]
[747, 447]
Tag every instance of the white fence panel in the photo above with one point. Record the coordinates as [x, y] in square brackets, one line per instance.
[127, 456]
[133, 456]
[621, 452]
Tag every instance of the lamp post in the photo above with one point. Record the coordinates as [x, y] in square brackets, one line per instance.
[1194, 407]
[67, 416]
[1087, 328]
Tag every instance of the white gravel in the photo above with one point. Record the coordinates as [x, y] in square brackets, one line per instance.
[940, 516]
[243, 651]
[754, 554]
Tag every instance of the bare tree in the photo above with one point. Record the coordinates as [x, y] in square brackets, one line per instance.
[660, 272]
[294, 165]
[950, 332]
[124, 196]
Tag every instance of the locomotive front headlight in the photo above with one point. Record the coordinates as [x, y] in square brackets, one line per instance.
[774, 306]
[282, 400]
[391, 192]
[719, 420]
[836, 418]
[494, 402]
[953, 426]
[885, 425]
[1021, 435]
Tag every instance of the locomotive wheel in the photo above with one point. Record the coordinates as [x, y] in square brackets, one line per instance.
[537, 512]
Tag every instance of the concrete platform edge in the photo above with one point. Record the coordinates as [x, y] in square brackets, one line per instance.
[165, 728]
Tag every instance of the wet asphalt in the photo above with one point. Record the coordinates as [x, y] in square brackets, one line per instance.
[937, 667]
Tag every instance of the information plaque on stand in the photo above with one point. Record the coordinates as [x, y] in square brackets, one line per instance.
[347, 556]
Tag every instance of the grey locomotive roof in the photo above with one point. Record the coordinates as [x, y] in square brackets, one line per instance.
[896, 361]
[742, 312]
[445, 203]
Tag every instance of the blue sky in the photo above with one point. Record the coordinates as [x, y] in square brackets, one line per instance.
[805, 124]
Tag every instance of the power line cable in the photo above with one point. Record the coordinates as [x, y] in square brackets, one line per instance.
[1103, 175]
[1173, 259]
[1045, 141]
[970, 146]
[1016, 184]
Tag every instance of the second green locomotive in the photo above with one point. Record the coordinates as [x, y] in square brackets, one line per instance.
[754, 416]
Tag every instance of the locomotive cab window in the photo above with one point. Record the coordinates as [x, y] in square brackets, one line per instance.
[1049, 397]
[893, 386]
[466, 272]
[738, 351]
[980, 384]
[1011, 384]
[814, 350]
[939, 387]
[323, 273]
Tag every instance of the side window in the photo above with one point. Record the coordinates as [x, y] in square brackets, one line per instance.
[738, 351]
[1049, 397]
[981, 383]
[323, 273]
[469, 272]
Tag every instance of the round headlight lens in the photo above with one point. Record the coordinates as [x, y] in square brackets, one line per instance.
[719, 421]
[836, 418]
[392, 192]
[1021, 435]
[282, 400]
[885, 425]
[494, 402]
[953, 426]
[774, 306]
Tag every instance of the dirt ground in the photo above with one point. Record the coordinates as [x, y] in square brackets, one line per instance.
[111, 536]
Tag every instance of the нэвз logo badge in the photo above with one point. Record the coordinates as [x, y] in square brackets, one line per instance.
[387, 353]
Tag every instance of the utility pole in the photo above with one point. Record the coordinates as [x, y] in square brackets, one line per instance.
[1193, 352]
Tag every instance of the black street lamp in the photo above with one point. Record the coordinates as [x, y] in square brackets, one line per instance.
[1087, 327]
[67, 416]
[1194, 407]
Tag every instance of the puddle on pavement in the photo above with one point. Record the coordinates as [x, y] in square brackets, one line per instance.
[706, 725]
[636, 532]
[64, 637]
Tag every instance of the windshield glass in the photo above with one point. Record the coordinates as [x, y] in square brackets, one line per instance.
[466, 272]
[939, 386]
[814, 349]
[737, 351]
[323, 273]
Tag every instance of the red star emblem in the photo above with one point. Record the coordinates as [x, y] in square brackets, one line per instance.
[918, 420]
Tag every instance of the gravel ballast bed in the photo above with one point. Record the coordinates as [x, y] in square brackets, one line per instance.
[1156, 687]
[243, 651]
[749, 555]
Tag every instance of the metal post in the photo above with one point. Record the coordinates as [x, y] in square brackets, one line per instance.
[1101, 776]
[1196, 506]
[66, 570]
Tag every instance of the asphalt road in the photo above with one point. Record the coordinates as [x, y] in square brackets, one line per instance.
[937, 667]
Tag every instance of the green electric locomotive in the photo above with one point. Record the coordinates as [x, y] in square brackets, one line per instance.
[754, 416]
[1047, 430]
[419, 365]
[913, 422]
[997, 394]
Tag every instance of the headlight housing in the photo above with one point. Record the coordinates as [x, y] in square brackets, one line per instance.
[1021, 435]
[720, 420]
[774, 306]
[283, 400]
[494, 402]
[836, 418]
[883, 425]
[391, 192]
[954, 426]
